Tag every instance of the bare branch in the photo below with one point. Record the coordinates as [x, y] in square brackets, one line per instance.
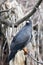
[27, 16]
[40, 62]
[7, 10]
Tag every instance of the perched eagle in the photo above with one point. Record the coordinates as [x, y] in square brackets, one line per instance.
[20, 40]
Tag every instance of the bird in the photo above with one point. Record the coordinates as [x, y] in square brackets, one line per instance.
[20, 40]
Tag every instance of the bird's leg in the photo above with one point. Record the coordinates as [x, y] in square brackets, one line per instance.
[25, 50]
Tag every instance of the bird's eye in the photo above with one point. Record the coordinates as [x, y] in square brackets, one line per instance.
[27, 21]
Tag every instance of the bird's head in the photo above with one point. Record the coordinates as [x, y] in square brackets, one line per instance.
[29, 22]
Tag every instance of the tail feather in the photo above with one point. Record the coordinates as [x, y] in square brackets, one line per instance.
[11, 56]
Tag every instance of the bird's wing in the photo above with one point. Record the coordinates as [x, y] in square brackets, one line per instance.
[22, 37]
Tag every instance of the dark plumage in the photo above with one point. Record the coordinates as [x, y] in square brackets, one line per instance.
[19, 41]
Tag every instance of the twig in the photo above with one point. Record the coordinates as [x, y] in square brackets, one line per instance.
[7, 10]
[41, 62]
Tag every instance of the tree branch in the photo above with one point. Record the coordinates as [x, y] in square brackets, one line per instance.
[40, 62]
[7, 10]
[27, 16]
